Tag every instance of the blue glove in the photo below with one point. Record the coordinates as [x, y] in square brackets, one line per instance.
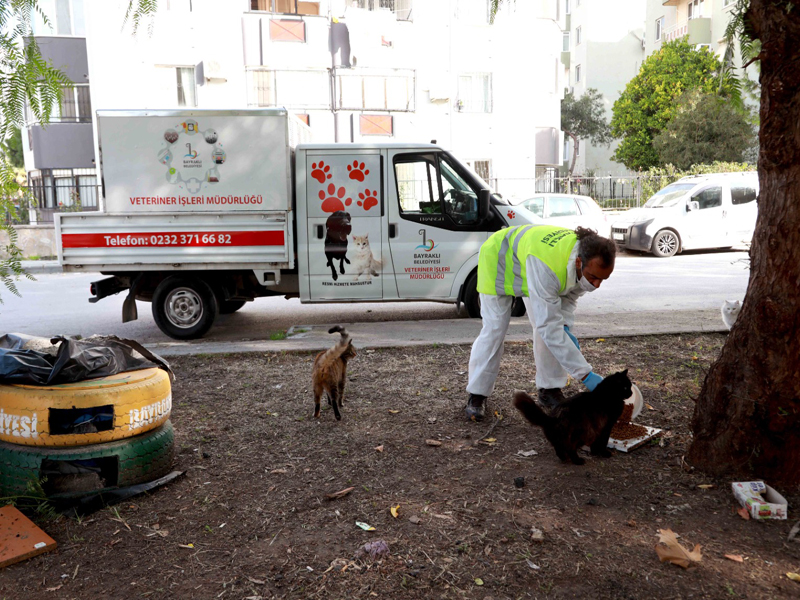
[572, 337]
[591, 381]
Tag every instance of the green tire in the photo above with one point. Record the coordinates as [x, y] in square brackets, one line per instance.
[125, 462]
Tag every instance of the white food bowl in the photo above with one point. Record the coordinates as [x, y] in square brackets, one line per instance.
[637, 401]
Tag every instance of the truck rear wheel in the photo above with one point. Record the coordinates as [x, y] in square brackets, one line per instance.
[184, 308]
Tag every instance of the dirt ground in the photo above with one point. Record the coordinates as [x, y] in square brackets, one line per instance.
[250, 518]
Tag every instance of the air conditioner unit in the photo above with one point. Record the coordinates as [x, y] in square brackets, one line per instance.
[214, 70]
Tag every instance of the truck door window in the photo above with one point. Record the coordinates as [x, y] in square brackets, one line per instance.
[429, 185]
[417, 186]
[742, 194]
[709, 197]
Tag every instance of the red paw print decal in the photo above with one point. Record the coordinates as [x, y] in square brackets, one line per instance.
[320, 171]
[368, 199]
[512, 214]
[357, 171]
[334, 200]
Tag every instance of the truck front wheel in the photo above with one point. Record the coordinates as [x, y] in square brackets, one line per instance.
[472, 300]
[184, 308]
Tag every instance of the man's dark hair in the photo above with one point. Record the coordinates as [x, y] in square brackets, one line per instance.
[595, 246]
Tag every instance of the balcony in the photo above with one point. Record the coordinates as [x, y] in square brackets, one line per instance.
[697, 31]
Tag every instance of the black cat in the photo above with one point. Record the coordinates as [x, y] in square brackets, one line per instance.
[337, 228]
[585, 419]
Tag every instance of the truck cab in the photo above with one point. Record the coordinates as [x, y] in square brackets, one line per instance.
[388, 222]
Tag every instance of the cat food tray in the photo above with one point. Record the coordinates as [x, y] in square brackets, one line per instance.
[632, 444]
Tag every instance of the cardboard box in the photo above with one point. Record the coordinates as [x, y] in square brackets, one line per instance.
[762, 501]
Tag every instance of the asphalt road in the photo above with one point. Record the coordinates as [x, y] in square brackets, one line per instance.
[643, 289]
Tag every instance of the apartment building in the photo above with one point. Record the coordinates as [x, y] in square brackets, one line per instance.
[60, 158]
[603, 48]
[353, 70]
[702, 22]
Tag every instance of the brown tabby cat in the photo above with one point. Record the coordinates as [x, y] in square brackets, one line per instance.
[585, 419]
[330, 372]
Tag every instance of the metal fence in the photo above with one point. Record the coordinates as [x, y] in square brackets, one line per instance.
[36, 206]
[610, 192]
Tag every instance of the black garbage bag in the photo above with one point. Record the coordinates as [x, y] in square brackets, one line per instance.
[38, 361]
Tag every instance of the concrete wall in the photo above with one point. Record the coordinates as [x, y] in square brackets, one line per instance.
[34, 240]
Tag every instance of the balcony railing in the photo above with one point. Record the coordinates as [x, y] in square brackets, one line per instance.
[697, 31]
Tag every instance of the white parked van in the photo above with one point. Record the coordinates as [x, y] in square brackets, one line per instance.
[696, 212]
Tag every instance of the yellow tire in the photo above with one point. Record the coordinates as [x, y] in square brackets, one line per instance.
[86, 412]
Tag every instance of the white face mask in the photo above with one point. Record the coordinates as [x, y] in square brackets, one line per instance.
[585, 285]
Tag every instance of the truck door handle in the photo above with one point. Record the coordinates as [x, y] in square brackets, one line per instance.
[320, 232]
[392, 230]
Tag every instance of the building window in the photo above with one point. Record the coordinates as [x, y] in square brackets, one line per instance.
[187, 92]
[284, 30]
[475, 92]
[577, 36]
[695, 9]
[566, 148]
[65, 18]
[577, 73]
[659, 28]
[483, 168]
[292, 89]
[286, 7]
[474, 11]
[567, 9]
[76, 105]
[387, 90]
[400, 8]
[565, 43]
[376, 125]
[577, 147]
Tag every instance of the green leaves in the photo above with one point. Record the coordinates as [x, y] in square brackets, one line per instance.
[649, 101]
[704, 129]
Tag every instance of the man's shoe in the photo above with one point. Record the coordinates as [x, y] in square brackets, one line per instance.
[550, 397]
[475, 407]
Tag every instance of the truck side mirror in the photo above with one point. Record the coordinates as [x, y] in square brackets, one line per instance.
[692, 205]
[483, 204]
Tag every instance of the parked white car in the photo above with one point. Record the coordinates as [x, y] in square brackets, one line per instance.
[696, 212]
[568, 210]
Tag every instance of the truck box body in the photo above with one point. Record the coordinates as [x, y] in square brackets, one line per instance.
[196, 189]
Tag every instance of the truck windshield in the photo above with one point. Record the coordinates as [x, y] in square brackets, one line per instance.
[669, 196]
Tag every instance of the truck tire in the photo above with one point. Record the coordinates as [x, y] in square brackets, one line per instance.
[118, 464]
[184, 307]
[227, 307]
[472, 299]
[86, 412]
[666, 243]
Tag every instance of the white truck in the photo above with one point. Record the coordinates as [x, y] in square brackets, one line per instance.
[205, 210]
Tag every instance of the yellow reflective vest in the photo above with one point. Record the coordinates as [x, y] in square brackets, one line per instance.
[501, 264]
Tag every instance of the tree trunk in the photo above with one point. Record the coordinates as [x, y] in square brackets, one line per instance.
[746, 421]
[574, 152]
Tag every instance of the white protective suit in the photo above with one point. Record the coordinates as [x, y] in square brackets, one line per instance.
[554, 353]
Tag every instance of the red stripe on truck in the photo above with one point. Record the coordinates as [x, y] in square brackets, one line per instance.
[162, 240]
